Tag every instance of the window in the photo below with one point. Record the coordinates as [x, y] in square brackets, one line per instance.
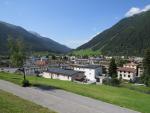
[120, 75]
[128, 76]
[124, 75]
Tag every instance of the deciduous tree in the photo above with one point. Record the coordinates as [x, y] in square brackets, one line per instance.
[17, 53]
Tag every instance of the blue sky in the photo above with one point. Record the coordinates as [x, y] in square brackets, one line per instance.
[70, 22]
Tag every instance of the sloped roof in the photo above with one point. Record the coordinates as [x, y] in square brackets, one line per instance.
[87, 66]
[132, 70]
[63, 71]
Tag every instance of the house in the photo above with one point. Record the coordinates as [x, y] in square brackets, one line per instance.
[129, 71]
[126, 73]
[8, 69]
[44, 58]
[92, 72]
[41, 63]
[34, 70]
[93, 60]
[138, 59]
[63, 74]
[81, 61]
[72, 59]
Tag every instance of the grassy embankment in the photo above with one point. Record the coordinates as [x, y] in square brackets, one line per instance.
[86, 52]
[10, 103]
[116, 95]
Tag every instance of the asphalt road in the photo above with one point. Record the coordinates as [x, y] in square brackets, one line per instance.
[62, 101]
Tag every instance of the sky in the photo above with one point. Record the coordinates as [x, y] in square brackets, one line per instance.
[69, 22]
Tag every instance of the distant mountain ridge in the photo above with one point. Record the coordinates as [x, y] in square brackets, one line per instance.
[130, 36]
[32, 40]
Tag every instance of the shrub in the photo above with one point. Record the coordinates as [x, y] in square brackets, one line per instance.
[107, 81]
[115, 82]
[112, 81]
[25, 83]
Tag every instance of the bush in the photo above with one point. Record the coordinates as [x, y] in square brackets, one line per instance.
[107, 81]
[112, 81]
[115, 82]
[25, 83]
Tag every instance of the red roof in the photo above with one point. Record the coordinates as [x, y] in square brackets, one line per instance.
[41, 63]
[126, 69]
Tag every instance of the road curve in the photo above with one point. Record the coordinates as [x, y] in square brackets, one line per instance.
[62, 101]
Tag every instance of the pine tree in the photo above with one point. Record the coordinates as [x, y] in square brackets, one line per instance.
[113, 68]
[146, 64]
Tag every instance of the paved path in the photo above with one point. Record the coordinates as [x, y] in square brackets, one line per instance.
[62, 101]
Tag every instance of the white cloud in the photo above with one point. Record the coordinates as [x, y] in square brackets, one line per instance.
[136, 10]
[133, 11]
[146, 8]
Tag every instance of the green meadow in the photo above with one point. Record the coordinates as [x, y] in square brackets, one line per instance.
[10, 103]
[121, 96]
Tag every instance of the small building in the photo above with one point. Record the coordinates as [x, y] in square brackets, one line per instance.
[126, 73]
[92, 72]
[82, 61]
[93, 60]
[34, 70]
[8, 69]
[44, 58]
[63, 74]
[41, 63]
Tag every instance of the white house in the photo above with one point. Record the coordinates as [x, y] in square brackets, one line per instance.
[63, 74]
[92, 72]
[82, 61]
[127, 73]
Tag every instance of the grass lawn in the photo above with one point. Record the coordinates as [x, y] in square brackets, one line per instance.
[10, 103]
[116, 95]
[142, 89]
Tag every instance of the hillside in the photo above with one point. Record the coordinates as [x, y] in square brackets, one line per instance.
[32, 41]
[130, 36]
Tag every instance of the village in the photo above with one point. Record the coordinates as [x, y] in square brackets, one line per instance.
[81, 70]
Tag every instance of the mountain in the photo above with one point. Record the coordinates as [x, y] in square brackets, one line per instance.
[130, 36]
[32, 40]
